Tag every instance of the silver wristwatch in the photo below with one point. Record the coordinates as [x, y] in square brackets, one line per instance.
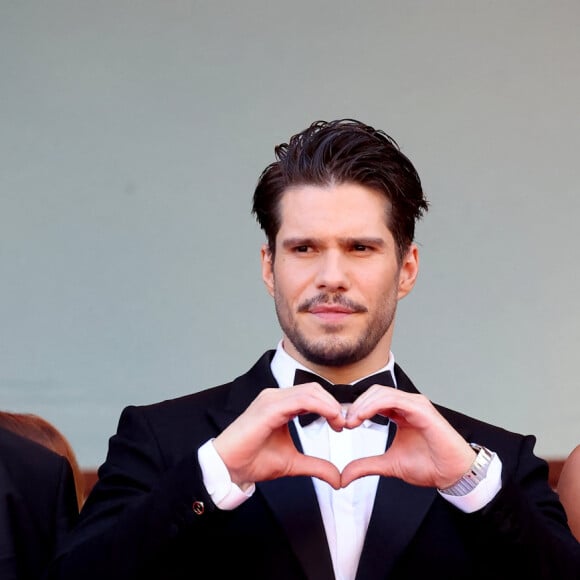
[474, 475]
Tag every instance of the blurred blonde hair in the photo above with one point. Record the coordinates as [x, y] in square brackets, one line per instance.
[42, 431]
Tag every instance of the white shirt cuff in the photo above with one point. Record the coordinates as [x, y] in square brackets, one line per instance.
[223, 491]
[485, 491]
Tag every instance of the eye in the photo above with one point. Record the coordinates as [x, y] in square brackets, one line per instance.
[302, 249]
[360, 248]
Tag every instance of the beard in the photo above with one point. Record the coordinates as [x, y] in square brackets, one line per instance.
[331, 349]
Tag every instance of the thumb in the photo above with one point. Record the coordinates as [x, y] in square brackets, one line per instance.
[319, 468]
[361, 467]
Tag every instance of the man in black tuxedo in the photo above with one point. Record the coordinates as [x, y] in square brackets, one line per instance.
[38, 506]
[271, 476]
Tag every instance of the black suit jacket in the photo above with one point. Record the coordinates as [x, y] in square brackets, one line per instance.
[138, 522]
[37, 506]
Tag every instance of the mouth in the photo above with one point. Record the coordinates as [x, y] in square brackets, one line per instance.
[325, 309]
[330, 309]
[331, 313]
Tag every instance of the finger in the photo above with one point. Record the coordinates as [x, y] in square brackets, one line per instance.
[274, 407]
[374, 465]
[396, 405]
[312, 398]
[319, 468]
[336, 422]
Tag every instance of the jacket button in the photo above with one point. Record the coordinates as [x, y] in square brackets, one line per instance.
[198, 507]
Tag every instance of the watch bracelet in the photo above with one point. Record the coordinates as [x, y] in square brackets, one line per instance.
[474, 475]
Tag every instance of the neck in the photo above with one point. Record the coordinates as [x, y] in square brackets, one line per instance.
[350, 373]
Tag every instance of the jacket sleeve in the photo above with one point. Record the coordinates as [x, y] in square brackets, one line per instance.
[140, 504]
[528, 523]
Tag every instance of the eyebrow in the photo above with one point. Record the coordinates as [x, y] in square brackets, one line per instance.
[351, 241]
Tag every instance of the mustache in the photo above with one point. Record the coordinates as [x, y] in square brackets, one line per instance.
[336, 299]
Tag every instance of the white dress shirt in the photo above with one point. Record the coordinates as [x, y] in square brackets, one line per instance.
[345, 512]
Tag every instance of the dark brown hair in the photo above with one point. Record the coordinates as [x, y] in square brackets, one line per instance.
[337, 152]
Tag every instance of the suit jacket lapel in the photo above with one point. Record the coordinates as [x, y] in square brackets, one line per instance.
[397, 513]
[293, 501]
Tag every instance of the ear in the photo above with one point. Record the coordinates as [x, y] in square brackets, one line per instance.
[267, 268]
[409, 271]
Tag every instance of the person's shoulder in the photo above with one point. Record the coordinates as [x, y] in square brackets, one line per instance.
[461, 421]
[25, 459]
[477, 426]
[568, 488]
[17, 445]
[570, 474]
[573, 459]
[182, 403]
[217, 396]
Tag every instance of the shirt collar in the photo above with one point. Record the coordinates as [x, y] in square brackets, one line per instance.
[284, 366]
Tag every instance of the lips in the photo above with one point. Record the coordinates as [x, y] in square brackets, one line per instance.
[331, 314]
[326, 306]
[323, 309]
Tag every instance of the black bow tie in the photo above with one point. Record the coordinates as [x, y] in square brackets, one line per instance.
[343, 393]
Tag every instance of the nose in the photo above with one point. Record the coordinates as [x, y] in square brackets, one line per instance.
[332, 273]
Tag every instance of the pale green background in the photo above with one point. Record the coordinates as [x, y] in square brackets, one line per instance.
[132, 134]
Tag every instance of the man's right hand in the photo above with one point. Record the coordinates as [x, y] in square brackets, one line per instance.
[258, 446]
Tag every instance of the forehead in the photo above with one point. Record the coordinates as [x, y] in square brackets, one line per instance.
[344, 209]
